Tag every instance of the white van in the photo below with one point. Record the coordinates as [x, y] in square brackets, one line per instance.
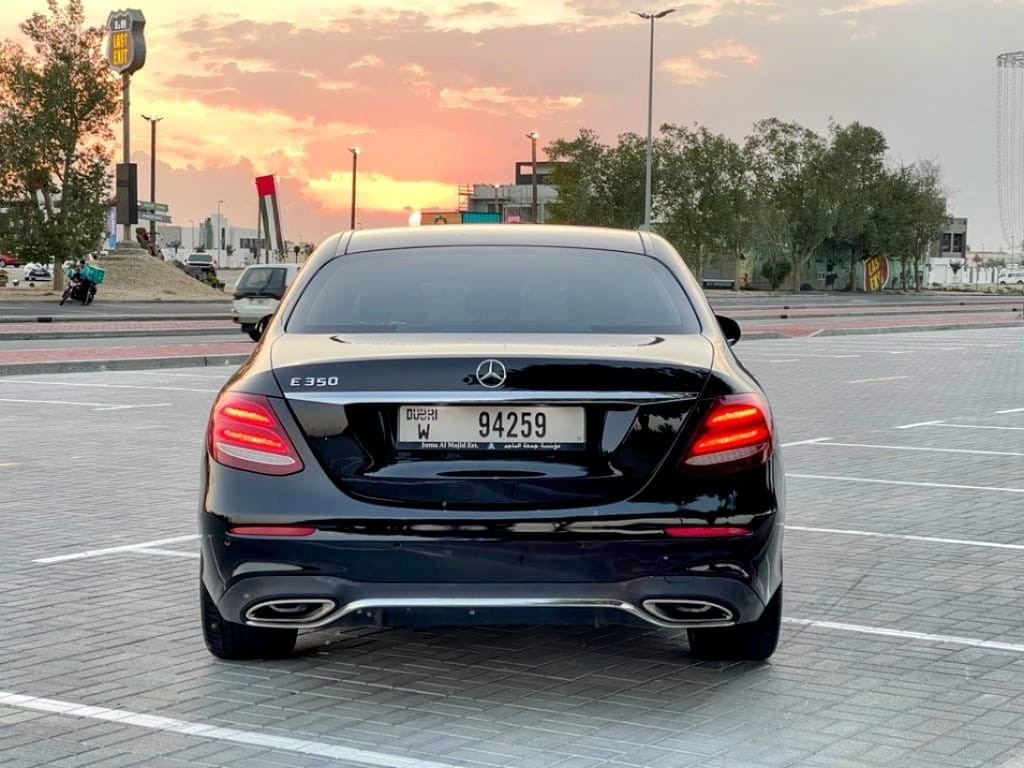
[1012, 276]
[257, 294]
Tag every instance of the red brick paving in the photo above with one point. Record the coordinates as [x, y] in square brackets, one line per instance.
[807, 327]
[111, 328]
[913, 310]
[83, 353]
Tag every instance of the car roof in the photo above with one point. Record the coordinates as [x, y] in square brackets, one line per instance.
[494, 235]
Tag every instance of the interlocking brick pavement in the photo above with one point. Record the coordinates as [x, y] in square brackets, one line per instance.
[121, 631]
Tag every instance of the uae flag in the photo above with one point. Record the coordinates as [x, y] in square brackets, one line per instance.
[270, 216]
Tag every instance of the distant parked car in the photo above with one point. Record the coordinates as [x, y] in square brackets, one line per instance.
[257, 294]
[203, 261]
[9, 260]
[37, 274]
[1012, 277]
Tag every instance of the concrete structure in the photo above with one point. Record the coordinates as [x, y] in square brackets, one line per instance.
[952, 243]
[242, 242]
[513, 201]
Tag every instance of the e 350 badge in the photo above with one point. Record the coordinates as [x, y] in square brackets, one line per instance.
[316, 382]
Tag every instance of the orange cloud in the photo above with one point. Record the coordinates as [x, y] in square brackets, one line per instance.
[380, 192]
[690, 71]
[499, 101]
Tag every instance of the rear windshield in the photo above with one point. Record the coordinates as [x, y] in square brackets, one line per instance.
[494, 290]
[200, 259]
[264, 281]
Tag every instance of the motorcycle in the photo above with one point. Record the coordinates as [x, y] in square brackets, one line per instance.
[79, 289]
[82, 283]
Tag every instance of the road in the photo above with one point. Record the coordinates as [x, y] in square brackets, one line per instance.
[903, 644]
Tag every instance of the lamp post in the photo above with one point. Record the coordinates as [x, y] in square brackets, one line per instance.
[533, 136]
[497, 205]
[153, 120]
[355, 166]
[192, 235]
[219, 204]
[652, 17]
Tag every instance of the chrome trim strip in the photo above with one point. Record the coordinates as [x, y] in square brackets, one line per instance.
[470, 603]
[725, 620]
[326, 607]
[489, 396]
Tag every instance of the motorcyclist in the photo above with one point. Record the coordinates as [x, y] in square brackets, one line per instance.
[85, 285]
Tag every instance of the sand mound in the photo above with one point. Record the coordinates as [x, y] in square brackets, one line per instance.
[146, 278]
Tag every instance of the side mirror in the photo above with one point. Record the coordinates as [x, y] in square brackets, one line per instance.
[730, 328]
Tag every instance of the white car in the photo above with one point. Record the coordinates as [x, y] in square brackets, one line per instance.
[1011, 277]
[257, 294]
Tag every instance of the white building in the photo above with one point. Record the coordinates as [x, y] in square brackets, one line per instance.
[237, 244]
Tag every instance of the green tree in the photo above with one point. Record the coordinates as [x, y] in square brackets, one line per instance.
[59, 100]
[600, 185]
[705, 195]
[929, 211]
[790, 176]
[854, 162]
[770, 242]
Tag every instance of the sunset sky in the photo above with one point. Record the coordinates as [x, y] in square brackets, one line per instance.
[438, 93]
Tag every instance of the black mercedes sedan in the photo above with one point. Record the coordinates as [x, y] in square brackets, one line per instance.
[493, 424]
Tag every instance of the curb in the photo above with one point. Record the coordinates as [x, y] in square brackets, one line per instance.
[169, 332]
[152, 318]
[913, 329]
[128, 364]
[787, 314]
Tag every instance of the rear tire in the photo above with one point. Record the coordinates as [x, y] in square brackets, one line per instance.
[259, 329]
[228, 640]
[67, 292]
[753, 641]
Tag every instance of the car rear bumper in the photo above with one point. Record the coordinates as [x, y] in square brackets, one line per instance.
[331, 600]
[347, 578]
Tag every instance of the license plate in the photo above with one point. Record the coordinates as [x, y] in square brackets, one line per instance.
[490, 428]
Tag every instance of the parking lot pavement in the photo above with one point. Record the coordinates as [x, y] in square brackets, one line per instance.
[904, 641]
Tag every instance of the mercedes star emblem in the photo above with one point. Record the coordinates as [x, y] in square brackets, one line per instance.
[491, 373]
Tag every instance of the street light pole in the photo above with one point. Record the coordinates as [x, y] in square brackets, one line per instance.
[533, 136]
[192, 235]
[153, 120]
[355, 166]
[652, 17]
[219, 203]
[497, 205]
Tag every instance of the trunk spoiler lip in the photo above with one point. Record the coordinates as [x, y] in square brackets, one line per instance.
[397, 397]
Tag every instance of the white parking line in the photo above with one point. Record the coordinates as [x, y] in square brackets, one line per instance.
[906, 537]
[34, 383]
[826, 442]
[901, 634]
[919, 424]
[796, 354]
[6, 464]
[94, 406]
[112, 550]
[877, 481]
[879, 378]
[969, 426]
[1011, 410]
[813, 441]
[216, 733]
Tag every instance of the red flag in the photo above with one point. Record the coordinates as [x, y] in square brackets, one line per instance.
[265, 186]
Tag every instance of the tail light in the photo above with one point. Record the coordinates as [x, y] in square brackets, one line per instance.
[735, 434]
[245, 434]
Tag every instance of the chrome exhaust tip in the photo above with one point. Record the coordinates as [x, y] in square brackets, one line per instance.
[293, 613]
[684, 612]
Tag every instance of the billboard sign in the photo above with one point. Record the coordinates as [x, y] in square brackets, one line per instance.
[438, 218]
[126, 44]
[876, 273]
